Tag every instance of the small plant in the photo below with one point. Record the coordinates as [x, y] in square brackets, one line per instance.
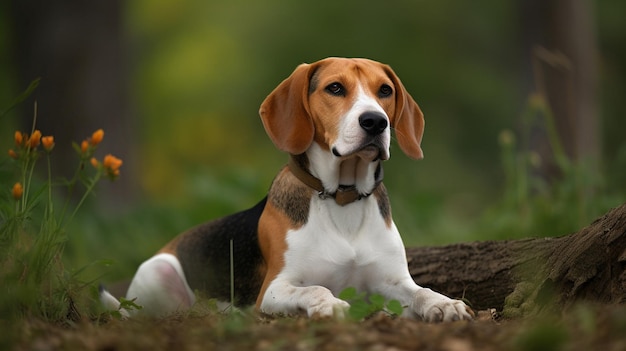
[126, 305]
[533, 205]
[363, 305]
[32, 228]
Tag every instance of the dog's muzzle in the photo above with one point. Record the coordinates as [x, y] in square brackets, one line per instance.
[372, 145]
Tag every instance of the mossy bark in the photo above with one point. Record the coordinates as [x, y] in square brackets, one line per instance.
[517, 276]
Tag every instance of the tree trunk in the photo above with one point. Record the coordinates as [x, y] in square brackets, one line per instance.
[517, 276]
[559, 38]
[78, 49]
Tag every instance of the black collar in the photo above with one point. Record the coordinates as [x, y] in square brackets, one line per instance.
[344, 195]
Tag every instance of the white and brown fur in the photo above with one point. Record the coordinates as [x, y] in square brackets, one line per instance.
[297, 249]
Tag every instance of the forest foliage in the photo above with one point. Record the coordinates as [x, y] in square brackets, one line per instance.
[198, 70]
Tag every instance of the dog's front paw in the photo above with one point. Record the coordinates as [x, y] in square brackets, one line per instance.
[328, 308]
[434, 307]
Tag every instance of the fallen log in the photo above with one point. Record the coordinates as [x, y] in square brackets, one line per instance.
[515, 276]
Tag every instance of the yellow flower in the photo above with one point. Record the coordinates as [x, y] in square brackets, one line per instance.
[19, 138]
[35, 139]
[48, 142]
[84, 146]
[13, 154]
[17, 191]
[96, 137]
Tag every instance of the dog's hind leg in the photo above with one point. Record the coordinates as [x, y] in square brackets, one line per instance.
[160, 287]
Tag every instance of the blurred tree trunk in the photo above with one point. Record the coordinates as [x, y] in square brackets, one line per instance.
[588, 265]
[560, 43]
[78, 49]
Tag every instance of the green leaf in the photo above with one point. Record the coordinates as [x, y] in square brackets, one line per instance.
[377, 301]
[77, 148]
[116, 314]
[395, 307]
[359, 309]
[348, 294]
[363, 305]
[129, 304]
[26, 93]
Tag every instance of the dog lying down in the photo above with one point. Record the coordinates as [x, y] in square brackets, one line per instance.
[325, 223]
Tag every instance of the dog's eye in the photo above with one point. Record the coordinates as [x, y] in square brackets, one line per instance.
[385, 91]
[336, 89]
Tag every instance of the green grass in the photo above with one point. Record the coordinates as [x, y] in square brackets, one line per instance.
[533, 206]
[33, 227]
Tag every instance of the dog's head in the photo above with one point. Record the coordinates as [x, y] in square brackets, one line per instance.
[347, 106]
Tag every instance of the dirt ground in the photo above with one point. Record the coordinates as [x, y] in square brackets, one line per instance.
[580, 328]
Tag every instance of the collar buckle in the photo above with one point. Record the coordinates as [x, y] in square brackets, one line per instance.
[324, 195]
[343, 196]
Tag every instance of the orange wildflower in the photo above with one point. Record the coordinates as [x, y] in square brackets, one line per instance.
[94, 163]
[112, 165]
[48, 142]
[35, 139]
[96, 137]
[112, 162]
[84, 146]
[19, 138]
[17, 191]
[13, 154]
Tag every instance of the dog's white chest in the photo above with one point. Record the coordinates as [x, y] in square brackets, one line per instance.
[339, 246]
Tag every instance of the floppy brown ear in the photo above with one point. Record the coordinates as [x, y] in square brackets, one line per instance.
[408, 121]
[285, 113]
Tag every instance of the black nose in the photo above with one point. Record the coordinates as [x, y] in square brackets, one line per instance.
[373, 123]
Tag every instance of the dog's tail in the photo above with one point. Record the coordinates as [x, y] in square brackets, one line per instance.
[112, 304]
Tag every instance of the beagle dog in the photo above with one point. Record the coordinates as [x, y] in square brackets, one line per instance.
[325, 223]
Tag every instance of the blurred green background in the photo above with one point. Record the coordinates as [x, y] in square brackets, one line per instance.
[176, 85]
